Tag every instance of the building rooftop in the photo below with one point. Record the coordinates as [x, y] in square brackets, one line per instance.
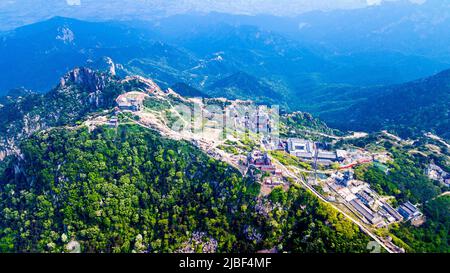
[341, 153]
[300, 145]
[392, 211]
[409, 211]
[326, 155]
[373, 217]
[365, 197]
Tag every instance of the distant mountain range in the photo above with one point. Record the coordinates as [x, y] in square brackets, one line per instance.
[199, 50]
[261, 58]
[409, 109]
[43, 52]
[18, 13]
[244, 86]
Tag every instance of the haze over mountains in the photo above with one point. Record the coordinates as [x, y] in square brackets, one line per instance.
[323, 62]
[20, 12]
[409, 109]
[124, 128]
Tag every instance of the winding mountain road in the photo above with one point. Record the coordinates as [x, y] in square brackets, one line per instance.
[318, 195]
[288, 173]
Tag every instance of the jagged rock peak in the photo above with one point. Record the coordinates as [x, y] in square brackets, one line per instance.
[111, 66]
[88, 78]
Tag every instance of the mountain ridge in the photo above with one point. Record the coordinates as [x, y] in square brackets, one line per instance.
[409, 109]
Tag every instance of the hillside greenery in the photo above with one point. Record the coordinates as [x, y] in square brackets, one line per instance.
[409, 110]
[131, 190]
[433, 235]
[405, 179]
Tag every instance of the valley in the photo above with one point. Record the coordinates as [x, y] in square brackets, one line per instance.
[207, 127]
[236, 61]
[235, 132]
[339, 200]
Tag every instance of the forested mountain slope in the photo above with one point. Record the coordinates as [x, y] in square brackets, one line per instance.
[132, 190]
[79, 93]
[409, 109]
[65, 187]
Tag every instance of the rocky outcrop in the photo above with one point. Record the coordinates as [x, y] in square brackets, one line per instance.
[111, 66]
[90, 80]
[143, 84]
[80, 92]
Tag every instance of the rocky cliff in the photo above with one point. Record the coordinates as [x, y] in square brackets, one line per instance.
[80, 92]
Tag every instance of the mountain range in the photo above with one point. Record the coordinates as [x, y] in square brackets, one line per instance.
[74, 183]
[100, 153]
[146, 186]
[301, 63]
[409, 109]
[17, 13]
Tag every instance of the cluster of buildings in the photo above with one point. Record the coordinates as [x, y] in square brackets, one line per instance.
[354, 157]
[256, 119]
[409, 211]
[131, 101]
[358, 195]
[320, 153]
[437, 173]
[374, 218]
[128, 104]
[274, 144]
[390, 213]
[311, 151]
[262, 162]
[365, 202]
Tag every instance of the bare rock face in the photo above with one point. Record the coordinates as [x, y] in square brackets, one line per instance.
[8, 147]
[145, 84]
[111, 65]
[66, 35]
[89, 79]
[80, 91]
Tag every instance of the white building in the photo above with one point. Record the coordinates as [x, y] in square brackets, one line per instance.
[301, 148]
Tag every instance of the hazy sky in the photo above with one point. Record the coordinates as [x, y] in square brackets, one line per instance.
[249, 6]
[235, 6]
[15, 13]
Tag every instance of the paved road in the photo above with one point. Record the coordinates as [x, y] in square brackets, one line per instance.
[429, 135]
[363, 228]
[306, 185]
[355, 135]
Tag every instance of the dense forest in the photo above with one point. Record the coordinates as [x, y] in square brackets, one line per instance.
[407, 182]
[130, 190]
[410, 109]
[405, 179]
[433, 235]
